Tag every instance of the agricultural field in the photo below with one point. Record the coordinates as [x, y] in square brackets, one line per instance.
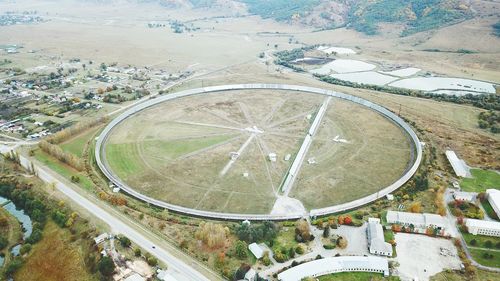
[215, 148]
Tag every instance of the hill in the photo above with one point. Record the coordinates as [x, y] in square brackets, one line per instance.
[365, 15]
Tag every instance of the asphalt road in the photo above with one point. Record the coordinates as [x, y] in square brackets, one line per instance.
[177, 268]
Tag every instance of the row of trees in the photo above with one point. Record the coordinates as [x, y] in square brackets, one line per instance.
[61, 155]
[75, 129]
[485, 101]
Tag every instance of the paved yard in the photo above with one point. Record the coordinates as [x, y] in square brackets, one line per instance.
[422, 256]
[356, 240]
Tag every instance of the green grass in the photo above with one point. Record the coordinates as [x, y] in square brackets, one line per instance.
[482, 180]
[62, 169]
[480, 275]
[356, 276]
[77, 144]
[285, 239]
[124, 158]
[477, 254]
[176, 148]
[480, 240]
[489, 210]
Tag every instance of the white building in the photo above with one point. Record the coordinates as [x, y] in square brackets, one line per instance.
[256, 250]
[101, 238]
[420, 222]
[482, 227]
[459, 166]
[376, 241]
[464, 196]
[494, 199]
[135, 277]
[331, 265]
[272, 157]
[251, 275]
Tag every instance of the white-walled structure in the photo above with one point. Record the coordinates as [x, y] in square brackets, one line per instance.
[375, 236]
[464, 196]
[256, 250]
[461, 169]
[335, 265]
[419, 221]
[483, 227]
[494, 199]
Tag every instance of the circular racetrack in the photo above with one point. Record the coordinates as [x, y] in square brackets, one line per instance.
[258, 151]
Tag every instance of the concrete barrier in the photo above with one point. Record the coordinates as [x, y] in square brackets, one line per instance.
[100, 155]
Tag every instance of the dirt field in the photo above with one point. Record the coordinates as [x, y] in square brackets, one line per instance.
[187, 145]
[376, 154]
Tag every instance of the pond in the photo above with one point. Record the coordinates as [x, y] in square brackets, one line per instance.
[24, 219]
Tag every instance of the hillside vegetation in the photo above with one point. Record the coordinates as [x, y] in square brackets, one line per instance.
[364, 15]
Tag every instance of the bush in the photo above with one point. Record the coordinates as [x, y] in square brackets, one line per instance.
[299, 250]
[240, 249]
[473, 242]
[124, 241]
[106, 266]
[25, 249]
[265, 259]
[137, 252]
[488, 244]
[3, 242]
[329, 246]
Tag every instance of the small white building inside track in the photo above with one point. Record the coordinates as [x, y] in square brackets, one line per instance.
[483, 227]
[494, 200]
[331, 265]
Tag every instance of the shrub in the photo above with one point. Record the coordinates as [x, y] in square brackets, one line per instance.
[299, 250]
[488, 244]
[106, 266]
[240, 249]
[137, 252]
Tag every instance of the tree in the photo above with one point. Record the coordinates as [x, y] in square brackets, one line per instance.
[299, 250]
[488, 244]
[473, 242]
[137, 252]
[106, 266]
[212, 235]
[124, 241]
[347, 220]
[3, 242]
[416, 207]
[152, 261]
[25, 249]
[342, 242]
[302, 229]
[240, 249]
[291, 253]
[326, 232]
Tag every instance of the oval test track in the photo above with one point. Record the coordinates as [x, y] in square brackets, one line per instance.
[100, 155]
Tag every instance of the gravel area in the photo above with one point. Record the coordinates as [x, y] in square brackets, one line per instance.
[421, 256]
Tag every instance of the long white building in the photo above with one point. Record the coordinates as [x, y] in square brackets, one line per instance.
[459, 166]
[420, 222]
[494, 199]
[331, 265]
[483, 227]
[376, 241]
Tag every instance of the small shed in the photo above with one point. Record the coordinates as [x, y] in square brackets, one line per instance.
[256, 250]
